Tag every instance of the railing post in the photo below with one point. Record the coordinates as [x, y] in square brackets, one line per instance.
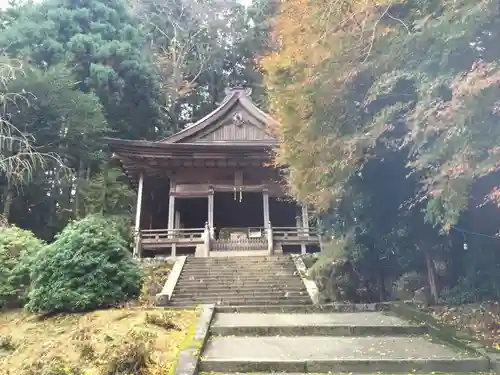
[270, 245]
[206, 239]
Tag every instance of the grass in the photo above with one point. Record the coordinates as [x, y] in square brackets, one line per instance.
[155, 278]
[107, 342]
[133, 339]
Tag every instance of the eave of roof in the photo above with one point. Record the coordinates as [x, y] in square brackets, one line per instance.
[149, 147]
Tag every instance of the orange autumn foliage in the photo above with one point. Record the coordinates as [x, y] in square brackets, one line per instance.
[319, 43]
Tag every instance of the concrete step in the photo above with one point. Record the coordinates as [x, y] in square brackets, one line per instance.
[236, 259]
[330, 308]
[202, 289]
[239, 301]
[247, 294]
[242, 264]
[320, 354]
[312, 324]
[240, 276]
[241, 282]
[219, 288]
[235, 284]
[254, 270]
[223, 283]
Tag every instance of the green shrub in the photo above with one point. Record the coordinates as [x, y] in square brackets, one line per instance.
[480, 280]
[87, 267]
[17, 249]
[124, 225]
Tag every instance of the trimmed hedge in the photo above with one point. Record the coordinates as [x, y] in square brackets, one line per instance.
[87, 267]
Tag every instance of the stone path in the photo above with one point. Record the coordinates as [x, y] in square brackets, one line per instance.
[363, 342]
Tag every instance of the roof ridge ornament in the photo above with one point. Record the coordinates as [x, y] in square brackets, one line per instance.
[242, 90]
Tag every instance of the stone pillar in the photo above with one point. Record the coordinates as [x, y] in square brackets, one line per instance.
[265, 201]
[137, 248]
[211, 209]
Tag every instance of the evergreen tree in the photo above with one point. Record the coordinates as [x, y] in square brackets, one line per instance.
[102, 43]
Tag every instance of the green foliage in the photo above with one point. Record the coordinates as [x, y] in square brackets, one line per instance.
[102, 43]
[423, 87]
[87, 267]
[97, 68]
[109, 193]
[481, 279]
[18, 248]
[386, 129]
[63, 121]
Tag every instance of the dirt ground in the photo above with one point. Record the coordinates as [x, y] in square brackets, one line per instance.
[480, 320]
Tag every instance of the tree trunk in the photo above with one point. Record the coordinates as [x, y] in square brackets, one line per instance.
[8, 195]
[381, 287]
[431, 276]
[104, 196]
[78, 187]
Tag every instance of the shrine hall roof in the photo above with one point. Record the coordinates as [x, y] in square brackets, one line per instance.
[236, 129]
[237, 121]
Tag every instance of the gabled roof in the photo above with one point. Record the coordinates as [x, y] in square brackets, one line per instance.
[236, 99]
[234, 134]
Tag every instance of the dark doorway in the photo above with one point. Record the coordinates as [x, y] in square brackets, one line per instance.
[234, 211]
[193, 211]
[283, 213]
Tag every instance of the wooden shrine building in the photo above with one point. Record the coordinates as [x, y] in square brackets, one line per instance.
[208, 190]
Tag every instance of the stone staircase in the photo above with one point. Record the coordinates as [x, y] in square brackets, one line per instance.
[237, 281]
[247, 341]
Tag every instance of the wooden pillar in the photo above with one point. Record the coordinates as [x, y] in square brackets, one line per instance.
[171, 213]
[177, 220]
[305, 226]
[137, 248]
[305, 219]
[171, 220]
[265, 201]
[211, 209]
[270, 240]
[206, 240]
